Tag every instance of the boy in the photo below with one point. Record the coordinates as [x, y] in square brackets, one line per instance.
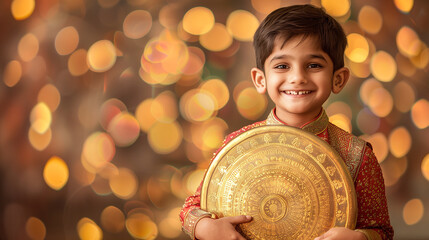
[300, 61]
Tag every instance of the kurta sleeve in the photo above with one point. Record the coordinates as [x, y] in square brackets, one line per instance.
[373, 216]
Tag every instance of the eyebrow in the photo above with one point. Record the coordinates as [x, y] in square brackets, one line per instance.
[311, 56]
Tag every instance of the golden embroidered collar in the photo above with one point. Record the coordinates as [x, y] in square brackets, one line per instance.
[316, 127]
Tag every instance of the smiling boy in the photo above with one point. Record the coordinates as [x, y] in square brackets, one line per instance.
[300, 61]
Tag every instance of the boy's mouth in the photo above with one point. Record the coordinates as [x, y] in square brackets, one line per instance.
[291, 92]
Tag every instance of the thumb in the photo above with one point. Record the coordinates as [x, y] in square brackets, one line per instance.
[239, 219]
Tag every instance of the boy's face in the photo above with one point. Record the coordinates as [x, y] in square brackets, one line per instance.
[299, 78]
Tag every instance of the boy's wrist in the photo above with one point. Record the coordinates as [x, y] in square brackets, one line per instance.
[369, 234]
[191, 220]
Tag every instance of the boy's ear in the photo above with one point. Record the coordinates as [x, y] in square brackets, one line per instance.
[340, 78]
[258, 78]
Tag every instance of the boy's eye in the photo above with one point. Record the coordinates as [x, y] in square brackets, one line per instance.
[314, 65]
[281, 66]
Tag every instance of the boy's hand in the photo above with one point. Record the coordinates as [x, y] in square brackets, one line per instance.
[341, 233]
[222, 228]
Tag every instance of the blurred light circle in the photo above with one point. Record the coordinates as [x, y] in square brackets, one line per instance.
[413, 211]
[422, 58]
[393, 169]
[242, 25]
[366, 89]
[35, 228]
[50, 95]
[124, 129]
[339, 107]
[110, 109]
[250, 104]
[56, 173]
[89, 230]
[408, 42]
[357, 49]
[403, 96]
[404, 6]
[124, 184]
[264, 6]
[405, 66]
[40, 118]
[165, 138]
[77, 63]
[195, 62]
[140, 226]
[336, 8]
[420, 113]
[381, 102]
[198, 20]
[367, 122]
[197, 105]
[217, 39]
[12, 73]
[360, 70]
[380, 145]
[370, 19]
[168, 15]
[383, 66]
[137, 24]
[39, 141]
[219, 90]
[212, 134]
[144, 115]
[341, 121]
[101, 56]
[170, 228]
[194, 179]
[425, 167]
[66, 40]
[164, 107]
[22, 9]
[98, 150]
[28, 47]
[112, 219]
[400, 142]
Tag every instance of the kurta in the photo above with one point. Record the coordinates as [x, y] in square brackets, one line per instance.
[373, 216]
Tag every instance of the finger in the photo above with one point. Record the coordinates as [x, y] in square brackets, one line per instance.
[239, 219]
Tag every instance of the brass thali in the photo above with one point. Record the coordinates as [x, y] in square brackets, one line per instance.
[293, 184]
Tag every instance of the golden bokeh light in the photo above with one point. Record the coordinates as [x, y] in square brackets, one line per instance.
[357, 49]
[420, 113]
[367, 122]
[110, 109]
[77, 63]
[251, 104]
[400, 142]
[50, 95]
[218, 89]
[39, 141]
[198, 20]
[89, 230]
[425, 167]
[421, 60]
[66, 40]
[405, 66]
[379, 144]
[124, 129]
[367, 88]
[242, 25]
[403, 96]
[195, 62]
[22, 9]
[124, 184]
[208, 135]
[12, 73]
[98, 150]
[56, 173]
[393, 169]
[140, 226]
[339, 107]
[164, 107]
[404, 5]
[413, 211]
[370, 19]
[137, 24]
[35, 228]
[112, 219]
[360, 70]
[165, 138]
[217, 39]
[40, 118]
[169, 15]
[381, 102]
[194, 179]
[170, 228]
[28, 47]
[341, 121]
[197, 105]
[408, 42]
[101, 56]
[383, 66]
[264, 6]
[144, 114]
[336, 8]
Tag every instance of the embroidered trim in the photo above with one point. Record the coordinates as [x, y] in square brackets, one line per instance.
[369, 234]
[191, 220]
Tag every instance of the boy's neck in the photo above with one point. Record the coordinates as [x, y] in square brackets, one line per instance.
[298, 120]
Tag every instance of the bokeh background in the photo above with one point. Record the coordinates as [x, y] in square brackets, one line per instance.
[111, 109]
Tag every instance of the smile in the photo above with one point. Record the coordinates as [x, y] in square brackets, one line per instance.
[289, 92]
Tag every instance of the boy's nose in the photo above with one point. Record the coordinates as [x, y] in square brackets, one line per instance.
[297, 76]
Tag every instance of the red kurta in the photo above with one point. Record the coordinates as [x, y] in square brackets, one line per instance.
[373, 216]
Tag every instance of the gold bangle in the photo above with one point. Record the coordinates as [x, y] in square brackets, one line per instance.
[191, 220]
[369, 234]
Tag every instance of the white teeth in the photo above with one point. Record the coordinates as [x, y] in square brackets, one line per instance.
[297, 92]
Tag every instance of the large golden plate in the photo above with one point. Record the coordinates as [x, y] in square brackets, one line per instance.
[293, 184]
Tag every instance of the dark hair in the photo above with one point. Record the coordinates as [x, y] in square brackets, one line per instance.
[300, 20]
